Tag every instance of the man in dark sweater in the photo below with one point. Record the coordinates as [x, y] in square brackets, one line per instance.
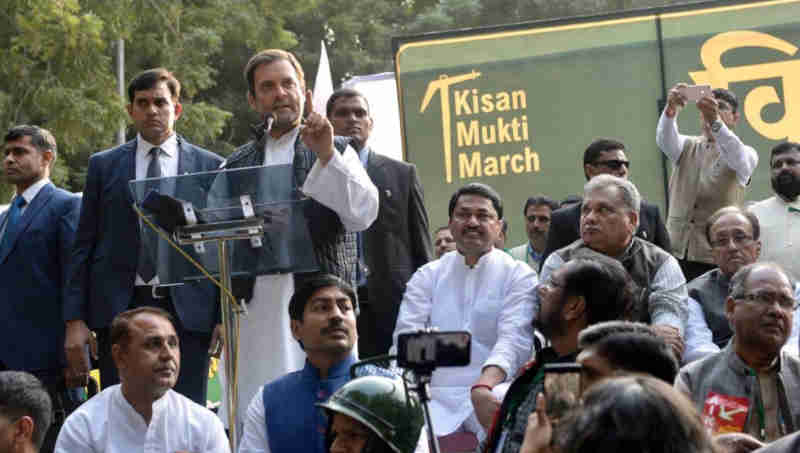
[734, 237]
[603, 156]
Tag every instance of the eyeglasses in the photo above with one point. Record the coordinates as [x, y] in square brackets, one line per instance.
[767, 298]
[614, 164]
[739, 240]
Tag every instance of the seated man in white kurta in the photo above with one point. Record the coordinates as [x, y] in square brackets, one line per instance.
[479, 289]
[143, 413]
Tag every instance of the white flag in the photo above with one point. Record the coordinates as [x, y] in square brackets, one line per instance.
[323, 84]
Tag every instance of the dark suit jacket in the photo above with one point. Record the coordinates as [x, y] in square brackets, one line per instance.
[104, 259]
[565, 227]
[33, 276]
[398, 242]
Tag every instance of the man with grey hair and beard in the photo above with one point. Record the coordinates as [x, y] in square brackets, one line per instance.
[609, 218]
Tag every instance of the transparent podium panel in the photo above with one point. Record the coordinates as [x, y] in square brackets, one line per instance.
[196, 210]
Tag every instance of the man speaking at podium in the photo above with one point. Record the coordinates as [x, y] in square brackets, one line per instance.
[327, 170]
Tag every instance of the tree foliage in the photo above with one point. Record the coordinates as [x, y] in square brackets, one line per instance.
[59, 56]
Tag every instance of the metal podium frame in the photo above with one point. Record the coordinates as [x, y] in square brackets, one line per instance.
[220, 232]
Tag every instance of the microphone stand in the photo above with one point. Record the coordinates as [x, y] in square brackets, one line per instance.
[423, 381]
[423, 390]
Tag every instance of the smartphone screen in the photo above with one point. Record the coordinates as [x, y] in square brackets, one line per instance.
[562, 388]
[433, 349]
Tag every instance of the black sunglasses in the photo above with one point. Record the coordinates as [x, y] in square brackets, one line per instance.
[613, 164]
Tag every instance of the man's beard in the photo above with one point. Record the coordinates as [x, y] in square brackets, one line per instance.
[549, 325]
[786, 184]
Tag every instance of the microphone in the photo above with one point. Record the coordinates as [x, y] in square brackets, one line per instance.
[269, 119]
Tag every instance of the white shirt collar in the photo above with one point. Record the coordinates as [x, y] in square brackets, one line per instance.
[794, 204]
[287, 138]
[159, 406]
[481, 259]
[30, 193]
[169, 147]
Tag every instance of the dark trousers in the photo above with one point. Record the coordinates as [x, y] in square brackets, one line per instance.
[694, 269]
[375, 326]
[193, 377]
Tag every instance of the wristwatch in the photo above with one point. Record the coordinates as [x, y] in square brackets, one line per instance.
[716, 126]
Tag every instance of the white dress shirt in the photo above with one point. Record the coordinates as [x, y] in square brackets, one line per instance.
[493, 300]
[780, 232]
[168, 160]
[741, 158]
[28, 194]
[699, 338]
[267, 349]
[107, 423]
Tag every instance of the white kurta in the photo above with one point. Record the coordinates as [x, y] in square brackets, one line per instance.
[493, 301]
[107, 423]
[780, 232]
[267, 349]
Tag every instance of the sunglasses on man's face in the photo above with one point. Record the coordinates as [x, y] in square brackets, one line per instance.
[613, 164]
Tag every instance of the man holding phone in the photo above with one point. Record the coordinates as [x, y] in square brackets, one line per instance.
[710, 171]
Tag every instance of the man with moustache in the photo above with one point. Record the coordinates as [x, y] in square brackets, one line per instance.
[609, 218]
[780, 215]
[483, 290]
[143, 413]
[537, 211]
[709, 172]
[282, 416]
[342, 199]
[604, 156]
[397, 243]
[751, 385]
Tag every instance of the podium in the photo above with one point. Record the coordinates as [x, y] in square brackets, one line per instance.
[220, 226]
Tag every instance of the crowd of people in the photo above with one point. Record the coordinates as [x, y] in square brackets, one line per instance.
[681, 334]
